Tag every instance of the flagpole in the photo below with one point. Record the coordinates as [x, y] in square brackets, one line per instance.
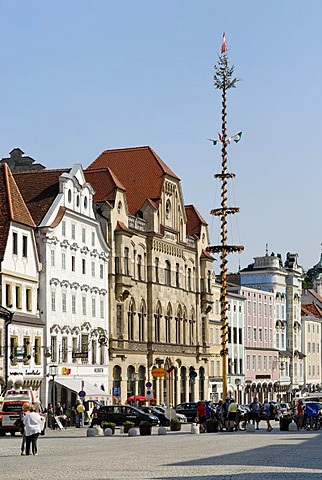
[223, 80]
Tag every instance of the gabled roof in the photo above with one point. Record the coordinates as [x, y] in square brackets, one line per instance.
[194, 220]
[12, 206]
[139, 169]
[39, 189]
[315, 294]
[312, 309]
[105, 184]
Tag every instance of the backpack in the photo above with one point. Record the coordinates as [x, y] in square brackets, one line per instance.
[272, 409]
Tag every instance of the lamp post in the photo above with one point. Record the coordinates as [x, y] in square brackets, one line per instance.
[237, 383]
[53, 372]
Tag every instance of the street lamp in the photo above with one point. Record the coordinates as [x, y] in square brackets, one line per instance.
[237, 383]
[53, 372]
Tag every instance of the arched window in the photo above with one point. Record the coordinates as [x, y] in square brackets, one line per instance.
[139, 267]
[142, 323]
[130, 331]
[168, 324]
[167, 273]
[157, 318]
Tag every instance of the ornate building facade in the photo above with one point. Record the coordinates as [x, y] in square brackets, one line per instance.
[160, 278]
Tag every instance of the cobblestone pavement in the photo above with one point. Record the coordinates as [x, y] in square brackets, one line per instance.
[260, 455]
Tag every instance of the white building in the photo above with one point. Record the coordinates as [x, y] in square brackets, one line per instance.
[73, 283]
[21, 336]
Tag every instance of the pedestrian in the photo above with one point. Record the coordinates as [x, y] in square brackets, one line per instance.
[268, 414]
[232, 413]
[25, 409]
[201, 412]
[59, 412]
[50, 416]
[300, 414]
[255, 412]
[80, 409]
[225, 406]
[219, 415]
[32, 423]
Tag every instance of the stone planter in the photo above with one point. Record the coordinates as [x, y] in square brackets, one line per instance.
[127, 426]
[145, 429]
[175, 426]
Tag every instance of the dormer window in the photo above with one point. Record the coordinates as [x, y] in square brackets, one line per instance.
[85, 203]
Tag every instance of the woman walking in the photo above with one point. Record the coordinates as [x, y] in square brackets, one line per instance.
[25, 409]
[32, 424]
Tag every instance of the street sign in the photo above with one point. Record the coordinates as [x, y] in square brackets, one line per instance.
[148, 384]
[82, 394]
[170, 413]
[116, 391]
[79, 354]
[158, 372]
[312, 409]
[149, 395]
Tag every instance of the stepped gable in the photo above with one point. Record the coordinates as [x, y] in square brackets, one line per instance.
[39, 189]
[105, 184]
[194, 221]
[13, 207]
[17, 162]
[139, 169]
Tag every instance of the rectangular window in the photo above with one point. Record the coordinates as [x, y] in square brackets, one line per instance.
[74, 304]
[28, 299]
[24, 246]
[248, 362]
[63, 228]
[8, 295]
[270, 362]
[177, 274]
[93, 239]
[13, 348]
[84, 347]
[277, 340]
[139, 265]
[74, 348]
[94, 350]
[240, 336]
[156, 270]
[52, 258]
[18, 297]
[260, 336]
[84, 305]
[26, 345]
[212, 368]
[218, 368]
[118, 320]
[83, 235]
[254, 363]
[53, 301]
[255, 335]
[37, 349]
[235, 335]
[64, 348]
[101, 308]
[15, 243]
[73, 263]
[83, 266]
[63, 302]
[126, 261]
[73, 231]
[54, 349]
[101, 271]
[265, 335]
[93, 307]
[63, 261]
[211, 336]
[249, 334]
[93, 269]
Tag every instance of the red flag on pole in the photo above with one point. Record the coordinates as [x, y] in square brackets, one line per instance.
[224, 43]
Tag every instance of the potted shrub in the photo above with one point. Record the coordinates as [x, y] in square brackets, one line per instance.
[127, 425]
[110, 425]
[212, 425]
[145, 428]
[175, 425]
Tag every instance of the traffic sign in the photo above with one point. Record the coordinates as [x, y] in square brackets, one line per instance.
[149, 395]
[82, 394]
[158, 372]
[170, 413]
[116, 391]
[148, 384]
[312, 409]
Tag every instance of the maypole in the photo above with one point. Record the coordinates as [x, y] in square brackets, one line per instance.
[223, 80]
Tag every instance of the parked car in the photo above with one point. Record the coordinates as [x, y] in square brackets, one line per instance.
[189, 409]
[179, 416]
[164, 422]
[119, 414]
[284, 408]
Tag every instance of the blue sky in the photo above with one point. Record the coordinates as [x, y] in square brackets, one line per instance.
[79, 77]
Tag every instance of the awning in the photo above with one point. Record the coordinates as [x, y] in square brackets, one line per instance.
[78, 384]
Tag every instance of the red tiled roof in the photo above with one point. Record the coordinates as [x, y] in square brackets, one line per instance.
[39, 189]
[139, 169]
[194, 220]
[105, 184]
[12, 206]
[315, 294]
[312, 309]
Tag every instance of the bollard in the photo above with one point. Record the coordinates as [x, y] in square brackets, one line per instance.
[250, 427]
[194, 429]
[108, 432]
[162, 431]
[99, 431]
[132, 432]
[91, 432]
[292, 427]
